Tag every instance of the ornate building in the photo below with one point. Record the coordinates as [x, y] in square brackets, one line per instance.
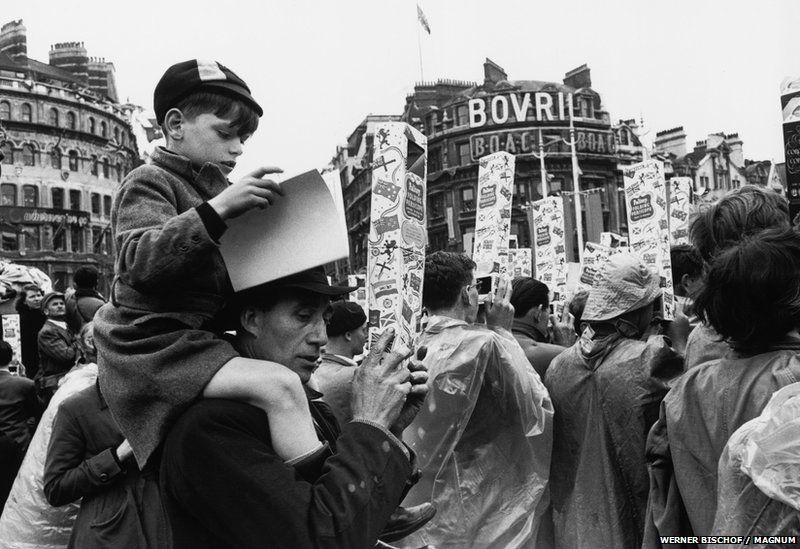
[66, 144]
[466, 120]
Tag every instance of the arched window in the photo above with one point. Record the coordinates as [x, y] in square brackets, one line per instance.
[27, 155]
[73, 161]
[116, 135]
[26, 112]
[93, 167]
[8, 194]
[124, 139]
[103, 129]
[71, 120]
[30, 196]
[8, 153]
[119, 171]
[53, 117]
[91, 125]
[5, 110]
[55, 158]
[105, 168]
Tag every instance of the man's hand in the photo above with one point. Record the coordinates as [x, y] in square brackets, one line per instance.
[381, 383]
[499, 310]
[124, 450]
[416, 396]
[249, 192]
[562, 328]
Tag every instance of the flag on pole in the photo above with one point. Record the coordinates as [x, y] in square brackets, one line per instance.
[423, 20]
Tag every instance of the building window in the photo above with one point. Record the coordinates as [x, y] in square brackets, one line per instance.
[464, 156]
[91, 125]
[53, 117]
[107, 242]
[5, 110]
[71, 120]
[97, 240]
[95, 203]
[521, 192]
[107, 206]
[26, 112]
[116, 135]
[32, 241]
[30, 196]
[623, 137]
[438, 240]
[586, 108]
[59, 238]
[93, 166]
[119, 171]
[74, 200]
[8, 153]
[27, 155]
[76, 239]
[55, 158]
[8, 194]
[103, 129]
[10, 241]
[735, 182]
[467, 199]
[434, 160]
[105, 168]
[124, 137]
[73, 161]
[462, 116]
[58, 198]
[436, 205]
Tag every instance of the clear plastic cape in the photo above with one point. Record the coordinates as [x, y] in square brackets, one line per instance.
[759, 472]
[28, 521]
[483, 440]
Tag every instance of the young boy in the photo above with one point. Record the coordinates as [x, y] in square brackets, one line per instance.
[157, 342]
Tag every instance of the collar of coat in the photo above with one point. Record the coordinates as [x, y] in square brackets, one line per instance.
[527, 328]
[438, 323]
[209, 180]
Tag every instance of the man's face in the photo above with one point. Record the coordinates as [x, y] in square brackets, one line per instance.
[208, 138]
[55, 308]
[293, 333]
[33, 299]
[358, 338]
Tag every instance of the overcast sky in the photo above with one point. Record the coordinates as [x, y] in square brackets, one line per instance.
[319, 67]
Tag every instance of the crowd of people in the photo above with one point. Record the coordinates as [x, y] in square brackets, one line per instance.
[183, 414]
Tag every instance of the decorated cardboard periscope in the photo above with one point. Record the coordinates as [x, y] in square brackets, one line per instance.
[551, 255]
[493, 214]
[397, 237]
[648, 225]
[680, 209]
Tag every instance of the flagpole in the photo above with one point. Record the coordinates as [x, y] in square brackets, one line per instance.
[419, 48]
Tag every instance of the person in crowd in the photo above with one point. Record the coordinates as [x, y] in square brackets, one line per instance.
[742, 212]
[88, 459]
[31, 320]
[687, 276]
[534, 327]
[58, 347]
[85, 301]
[223, 483]
[347, 335]
[484, 436]
[28, 520]
[606, 390]
[159, 339]
[576, 306]
[756, 492]
[750, 298]
[19, 409]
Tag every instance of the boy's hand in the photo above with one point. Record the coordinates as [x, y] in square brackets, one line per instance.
[499, 310]
[249, 192]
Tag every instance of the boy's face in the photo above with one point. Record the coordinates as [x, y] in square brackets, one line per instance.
[208, 138]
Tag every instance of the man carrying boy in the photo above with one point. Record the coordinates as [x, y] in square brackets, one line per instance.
[158, 348]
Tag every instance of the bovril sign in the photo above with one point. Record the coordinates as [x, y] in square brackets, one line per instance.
[543, 107]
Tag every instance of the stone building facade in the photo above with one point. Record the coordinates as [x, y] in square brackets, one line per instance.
[66, 144]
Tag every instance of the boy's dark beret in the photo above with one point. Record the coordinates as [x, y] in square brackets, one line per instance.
[194, 75]
[346, 316]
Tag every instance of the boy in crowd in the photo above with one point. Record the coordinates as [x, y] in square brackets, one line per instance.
[157, 339]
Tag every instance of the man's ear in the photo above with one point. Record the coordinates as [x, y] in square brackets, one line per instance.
[173, 124]
[348, 336]
[250, 320]
[465, 296]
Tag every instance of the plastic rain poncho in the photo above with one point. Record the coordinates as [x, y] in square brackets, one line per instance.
[759, 473]
[483, 440]
[28, 521]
